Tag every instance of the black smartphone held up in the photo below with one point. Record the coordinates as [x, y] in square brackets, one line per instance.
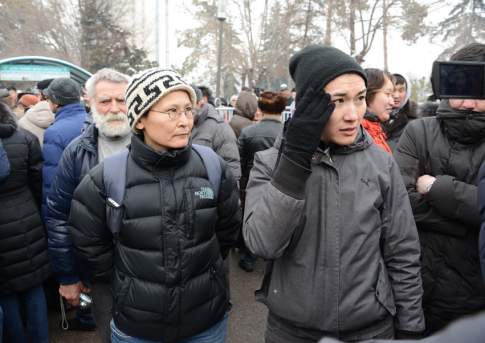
[458, 79]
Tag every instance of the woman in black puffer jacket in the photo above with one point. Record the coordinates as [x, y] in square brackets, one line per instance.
[166, 268]
[24, 263]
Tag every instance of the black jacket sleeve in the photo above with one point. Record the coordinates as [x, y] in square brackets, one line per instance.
[412, 165]
[229, 212]
[481, 205]
[91, 237]
[35, 167]
[4, 164]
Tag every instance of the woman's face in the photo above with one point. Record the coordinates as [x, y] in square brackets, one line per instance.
[383, 101]
[168, 122]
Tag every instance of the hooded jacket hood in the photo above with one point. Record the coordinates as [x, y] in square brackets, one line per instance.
[246, 105]
[463, 126]
[40, 115]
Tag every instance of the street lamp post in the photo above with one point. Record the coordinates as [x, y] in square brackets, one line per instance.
[221, 16]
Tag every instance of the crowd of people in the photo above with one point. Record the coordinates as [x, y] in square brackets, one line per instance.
[131, 192]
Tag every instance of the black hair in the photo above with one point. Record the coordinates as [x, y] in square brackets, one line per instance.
[12, 88]
[399, 80]
[205, 91]
[376, 78]
[474, 52]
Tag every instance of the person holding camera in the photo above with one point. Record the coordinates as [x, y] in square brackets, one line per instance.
[439, 158]
[328, 208]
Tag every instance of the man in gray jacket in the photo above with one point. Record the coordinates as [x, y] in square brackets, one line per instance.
[211, 130]
[328, 208]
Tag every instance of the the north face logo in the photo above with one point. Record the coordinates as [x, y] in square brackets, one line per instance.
[205, 193]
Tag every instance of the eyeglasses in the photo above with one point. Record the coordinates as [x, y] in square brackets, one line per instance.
[174, 114]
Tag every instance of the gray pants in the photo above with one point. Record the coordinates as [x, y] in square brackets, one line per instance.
[102, 310]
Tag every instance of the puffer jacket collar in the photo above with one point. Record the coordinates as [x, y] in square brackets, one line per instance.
[89, 139]
[465, 127]
[8, 125]
[153, 160]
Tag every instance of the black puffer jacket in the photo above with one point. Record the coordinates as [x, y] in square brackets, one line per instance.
[24, 262]
[450, 147]
[167, 270]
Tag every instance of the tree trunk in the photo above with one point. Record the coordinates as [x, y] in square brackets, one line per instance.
[384, 33]
[308, 17]
[328, 29]
[352, 26]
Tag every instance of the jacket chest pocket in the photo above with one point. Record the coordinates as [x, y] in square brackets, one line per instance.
[196, 199]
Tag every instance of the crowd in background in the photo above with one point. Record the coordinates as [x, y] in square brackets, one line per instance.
[363, 204]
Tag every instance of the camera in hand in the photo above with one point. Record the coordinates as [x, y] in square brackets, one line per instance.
[458, 80]
[85, 300]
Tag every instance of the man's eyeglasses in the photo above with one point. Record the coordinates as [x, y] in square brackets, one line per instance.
[174, 114]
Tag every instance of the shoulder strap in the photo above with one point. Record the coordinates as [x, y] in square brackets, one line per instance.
[212, 165]
[114, 175]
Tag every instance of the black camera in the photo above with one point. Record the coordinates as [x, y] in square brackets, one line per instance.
[458, 79]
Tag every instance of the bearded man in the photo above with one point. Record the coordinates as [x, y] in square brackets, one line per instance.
[109, 134]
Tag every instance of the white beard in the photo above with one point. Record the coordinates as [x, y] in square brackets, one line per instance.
[111, 125]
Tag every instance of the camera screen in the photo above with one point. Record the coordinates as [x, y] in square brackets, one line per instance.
[462, 79]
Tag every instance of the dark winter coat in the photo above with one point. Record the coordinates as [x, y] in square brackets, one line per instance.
[67, 126]
[78, 158]
[450, 147]
[24, 262]
[211, 130]
[395, 126]
[4, 164]
[345, 257]
[167, 270]
[254, 138]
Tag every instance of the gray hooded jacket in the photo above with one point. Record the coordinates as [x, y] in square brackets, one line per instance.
[211, 130]
[345, 258]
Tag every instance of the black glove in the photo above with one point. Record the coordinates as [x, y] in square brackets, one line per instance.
[302, 138]
[410, 335]
[306, 125]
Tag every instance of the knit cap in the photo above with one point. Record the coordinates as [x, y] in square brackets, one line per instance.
[29, 100]
[63, 91]
[316, 65]
[150, 85]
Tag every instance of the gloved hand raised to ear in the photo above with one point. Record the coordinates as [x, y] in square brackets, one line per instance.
[313, 110]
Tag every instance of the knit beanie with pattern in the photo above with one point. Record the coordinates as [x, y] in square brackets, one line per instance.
[149, 86]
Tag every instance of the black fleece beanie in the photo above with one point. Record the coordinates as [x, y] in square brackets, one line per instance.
[316, 65]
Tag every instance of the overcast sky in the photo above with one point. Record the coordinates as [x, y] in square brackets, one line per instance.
[412, 60]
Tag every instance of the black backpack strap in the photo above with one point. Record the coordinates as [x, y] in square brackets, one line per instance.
[114, 175]
[212, 165]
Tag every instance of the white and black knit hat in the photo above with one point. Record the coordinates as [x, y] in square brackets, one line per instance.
[148, 86]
